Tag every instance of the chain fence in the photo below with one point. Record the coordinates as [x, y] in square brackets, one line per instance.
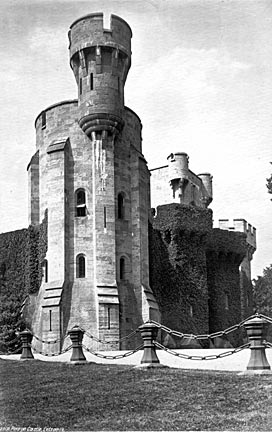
[51, 354]
[51, 342]
[201, 336]
[196, 357]
[16, 351]
[136, 331]
[113, 357]
[94, 338]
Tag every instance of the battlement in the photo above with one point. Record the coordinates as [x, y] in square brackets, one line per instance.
[240, 225]
[89, 31]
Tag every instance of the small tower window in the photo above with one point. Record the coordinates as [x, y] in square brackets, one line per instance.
[80, 266]
[191, 311]
[81, 203]
[80, 86]
[105, 217]
[122, 268]
[109, 318]
[43, 119]
[91, 82]
[45, 270]
[226, 302]
[50, 320]
[121, 208]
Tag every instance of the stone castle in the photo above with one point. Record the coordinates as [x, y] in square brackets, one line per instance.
[125, 244]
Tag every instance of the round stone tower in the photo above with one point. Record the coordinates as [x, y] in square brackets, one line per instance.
[90, 174]
[100, 60]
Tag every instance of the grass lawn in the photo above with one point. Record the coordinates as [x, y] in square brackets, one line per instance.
[100, 397]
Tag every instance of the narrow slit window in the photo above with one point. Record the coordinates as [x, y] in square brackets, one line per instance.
[91, 82]
[80, 86]
[50, 320]
[81, 203]
[109, 318]
[43, 119]
[118, 84]
[226, 302]
[121, 209]
[122, 268]
[45, 270]
[105, 217]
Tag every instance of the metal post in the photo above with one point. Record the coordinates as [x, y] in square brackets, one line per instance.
[26, 337]
[76, 336]
[255, 330]
[149, 333]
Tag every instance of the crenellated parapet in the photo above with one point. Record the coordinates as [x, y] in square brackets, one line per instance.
[241, 225]
[235, 227]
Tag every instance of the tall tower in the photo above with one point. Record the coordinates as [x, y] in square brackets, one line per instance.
[94, 181]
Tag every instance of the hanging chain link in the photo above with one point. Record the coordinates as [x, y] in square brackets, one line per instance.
[267, 344]
[201, 336]
[196, 357]
[111, 357]
[266, 318]
[52, 354]
[51, 342]
[16, 351]
[10, 342]
[130, 335]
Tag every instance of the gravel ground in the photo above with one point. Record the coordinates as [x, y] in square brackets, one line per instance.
[236, 362]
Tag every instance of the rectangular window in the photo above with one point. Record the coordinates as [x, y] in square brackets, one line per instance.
[109, 318]
[91, 81]
[80, 86]
[43, 119]
[105, 217]
[50, 320]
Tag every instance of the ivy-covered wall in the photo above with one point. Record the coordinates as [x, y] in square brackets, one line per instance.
[21, 256]
[178, 273]
[194, 271]
[225, 252]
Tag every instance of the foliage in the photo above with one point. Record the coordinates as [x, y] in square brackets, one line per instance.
[225, 251]
[192, 269]
[178, 266]
[21, 256]
[262, 292]
[269, 185]
[42, 395]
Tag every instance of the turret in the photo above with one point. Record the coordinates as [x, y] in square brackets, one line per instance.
[207, 188]
[100, 59]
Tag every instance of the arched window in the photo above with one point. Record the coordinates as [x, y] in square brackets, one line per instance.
[122, 268]
[121, 207]
[80, 266]
[80, 203]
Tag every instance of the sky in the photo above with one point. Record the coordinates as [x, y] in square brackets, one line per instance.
[201, 82]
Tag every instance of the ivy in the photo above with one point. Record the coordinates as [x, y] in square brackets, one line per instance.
[21, 256]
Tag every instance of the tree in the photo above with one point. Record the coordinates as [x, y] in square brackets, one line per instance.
[262, 296]
[269, 184]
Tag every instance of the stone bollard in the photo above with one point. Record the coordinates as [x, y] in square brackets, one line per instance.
[258, 361]
[149, 332]
[76, 336]
[26, 337]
